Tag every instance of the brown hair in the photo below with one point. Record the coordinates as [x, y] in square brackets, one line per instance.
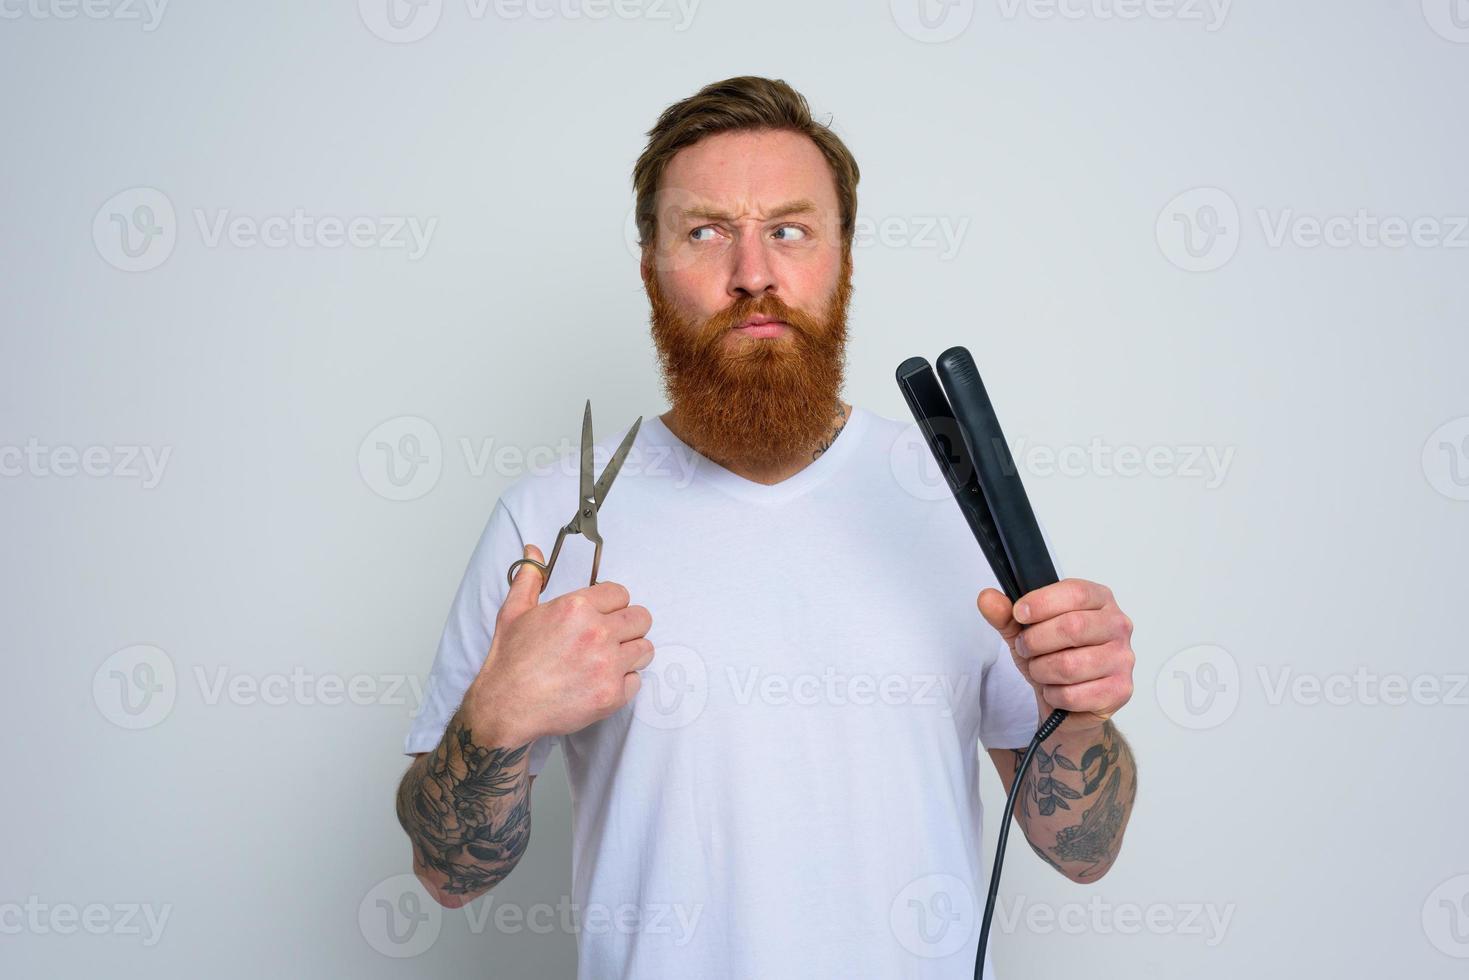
[746, 102]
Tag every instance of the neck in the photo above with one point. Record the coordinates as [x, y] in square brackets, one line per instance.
[772, 473]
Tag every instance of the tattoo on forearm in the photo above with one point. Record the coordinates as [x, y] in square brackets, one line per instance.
[1093, 840]
[467, 811]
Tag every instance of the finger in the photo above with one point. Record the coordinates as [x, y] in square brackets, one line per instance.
[1077, 665]
[607, 597]
[630, 623]
[1078, 628]
[632, 682]
[996, 610]
[1100, 697]
[525, 586]
[1059, 597]
[637, 654]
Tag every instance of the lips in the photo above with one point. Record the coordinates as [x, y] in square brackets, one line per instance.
[762, 326]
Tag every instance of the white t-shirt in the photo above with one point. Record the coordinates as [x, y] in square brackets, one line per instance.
[794, 793]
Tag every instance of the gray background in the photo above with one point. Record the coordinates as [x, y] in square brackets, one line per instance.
[1329, 836]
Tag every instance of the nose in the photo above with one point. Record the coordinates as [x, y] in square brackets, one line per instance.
[752, 274]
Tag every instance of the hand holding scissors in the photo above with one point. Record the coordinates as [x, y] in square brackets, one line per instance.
[589, 501]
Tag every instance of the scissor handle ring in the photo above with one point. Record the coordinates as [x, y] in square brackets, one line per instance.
[545, 572]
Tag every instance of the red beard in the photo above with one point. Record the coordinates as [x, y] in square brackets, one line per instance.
[759, 402]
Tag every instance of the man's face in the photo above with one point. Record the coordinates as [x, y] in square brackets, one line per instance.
[748, 228]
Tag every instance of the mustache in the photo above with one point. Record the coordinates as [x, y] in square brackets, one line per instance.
[766, 306]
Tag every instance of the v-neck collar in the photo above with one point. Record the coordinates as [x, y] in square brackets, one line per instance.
[813, 474]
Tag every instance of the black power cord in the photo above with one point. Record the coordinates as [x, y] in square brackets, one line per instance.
[961, 429]
[1047, 729]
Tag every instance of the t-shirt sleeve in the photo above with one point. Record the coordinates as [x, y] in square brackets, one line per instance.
[1007, 706]
[465, 642]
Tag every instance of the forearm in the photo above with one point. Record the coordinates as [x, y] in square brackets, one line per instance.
[1077, 798]
[466, 808]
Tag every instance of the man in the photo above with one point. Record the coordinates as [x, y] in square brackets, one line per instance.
[776, 777]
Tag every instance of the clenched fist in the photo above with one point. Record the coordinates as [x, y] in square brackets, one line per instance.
[1072, 643]
[555, 668]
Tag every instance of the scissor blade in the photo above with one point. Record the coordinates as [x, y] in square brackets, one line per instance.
[586, 454]
[615, 463]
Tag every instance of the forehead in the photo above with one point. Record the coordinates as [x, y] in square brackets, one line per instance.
[749, 172]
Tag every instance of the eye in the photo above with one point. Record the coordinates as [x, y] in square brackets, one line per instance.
[800, 233]
[693, 235]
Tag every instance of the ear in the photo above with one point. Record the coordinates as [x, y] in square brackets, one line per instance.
[645, 264]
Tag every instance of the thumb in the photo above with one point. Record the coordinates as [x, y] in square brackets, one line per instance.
[525, 587]
[996, 609]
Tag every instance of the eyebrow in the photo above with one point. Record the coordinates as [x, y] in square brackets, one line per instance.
[801, 206]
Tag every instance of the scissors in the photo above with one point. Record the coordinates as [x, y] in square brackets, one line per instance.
[584, 521]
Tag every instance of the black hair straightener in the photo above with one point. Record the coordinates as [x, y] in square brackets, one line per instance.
[964, 435]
